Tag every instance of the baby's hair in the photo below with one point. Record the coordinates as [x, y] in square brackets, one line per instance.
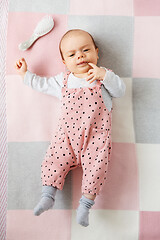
[73, 30]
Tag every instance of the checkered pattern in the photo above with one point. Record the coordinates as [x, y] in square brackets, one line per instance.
[127, 33]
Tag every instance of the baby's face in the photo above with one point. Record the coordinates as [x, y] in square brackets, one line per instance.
[78, 50]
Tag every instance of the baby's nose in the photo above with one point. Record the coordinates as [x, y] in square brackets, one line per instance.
[80, 54]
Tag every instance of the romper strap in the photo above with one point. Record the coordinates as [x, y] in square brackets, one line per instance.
[66, 75]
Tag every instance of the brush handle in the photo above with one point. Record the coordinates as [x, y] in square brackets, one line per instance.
[27, 44]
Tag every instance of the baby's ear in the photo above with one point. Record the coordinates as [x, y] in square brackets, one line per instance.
[97, 50]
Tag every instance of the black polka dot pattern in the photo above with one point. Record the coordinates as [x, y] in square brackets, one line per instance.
[83, 139]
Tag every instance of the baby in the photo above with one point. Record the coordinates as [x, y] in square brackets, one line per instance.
[83, 136]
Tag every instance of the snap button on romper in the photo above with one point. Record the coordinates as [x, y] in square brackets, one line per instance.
[83, 139]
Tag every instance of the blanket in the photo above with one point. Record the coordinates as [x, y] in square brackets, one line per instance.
[127, 33]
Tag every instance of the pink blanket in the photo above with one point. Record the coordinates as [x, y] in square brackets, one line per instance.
[127, 33]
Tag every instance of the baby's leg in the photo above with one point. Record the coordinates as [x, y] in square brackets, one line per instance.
[55, 167]
[47, 200]
[83, 209]
[90, 196]
[94, 177]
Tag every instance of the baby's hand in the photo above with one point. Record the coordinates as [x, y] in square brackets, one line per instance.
[21, 67]
[95, 73]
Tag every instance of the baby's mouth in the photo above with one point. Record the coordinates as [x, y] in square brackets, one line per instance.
[82, 63]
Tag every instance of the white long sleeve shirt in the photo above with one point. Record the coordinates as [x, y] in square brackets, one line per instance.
[112, 85]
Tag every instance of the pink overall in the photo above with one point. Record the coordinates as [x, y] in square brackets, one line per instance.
[83, 139]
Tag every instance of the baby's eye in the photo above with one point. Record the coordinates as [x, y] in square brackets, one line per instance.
[71, 55]
[86, 50]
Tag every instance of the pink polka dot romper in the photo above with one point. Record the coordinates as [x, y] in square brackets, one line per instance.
[83, 139]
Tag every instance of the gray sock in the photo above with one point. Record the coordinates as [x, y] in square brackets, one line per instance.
[47, 200]
[83, 211]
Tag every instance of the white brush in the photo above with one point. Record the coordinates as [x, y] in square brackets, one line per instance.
[42, 28]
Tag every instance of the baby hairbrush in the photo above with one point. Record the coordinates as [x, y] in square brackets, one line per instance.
[42, 28]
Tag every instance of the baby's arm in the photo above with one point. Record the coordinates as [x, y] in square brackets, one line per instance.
[51, 85]
[114, 84]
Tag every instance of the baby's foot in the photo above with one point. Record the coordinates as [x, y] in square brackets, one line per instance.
[83, 211]
[47, 200]
[82, 216]
[44, 204]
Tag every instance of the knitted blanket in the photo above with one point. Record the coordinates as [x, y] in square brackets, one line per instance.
[127, 33]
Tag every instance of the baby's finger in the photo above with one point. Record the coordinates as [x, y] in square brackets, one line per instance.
[92, 80]
[90, 71]
[92, 65]
[20, 62]
[17, 65]
[89, 77]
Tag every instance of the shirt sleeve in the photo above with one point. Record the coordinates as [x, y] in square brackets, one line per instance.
[114, 84]
[51, 85]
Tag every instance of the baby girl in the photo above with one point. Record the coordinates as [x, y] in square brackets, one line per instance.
[83, 136]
